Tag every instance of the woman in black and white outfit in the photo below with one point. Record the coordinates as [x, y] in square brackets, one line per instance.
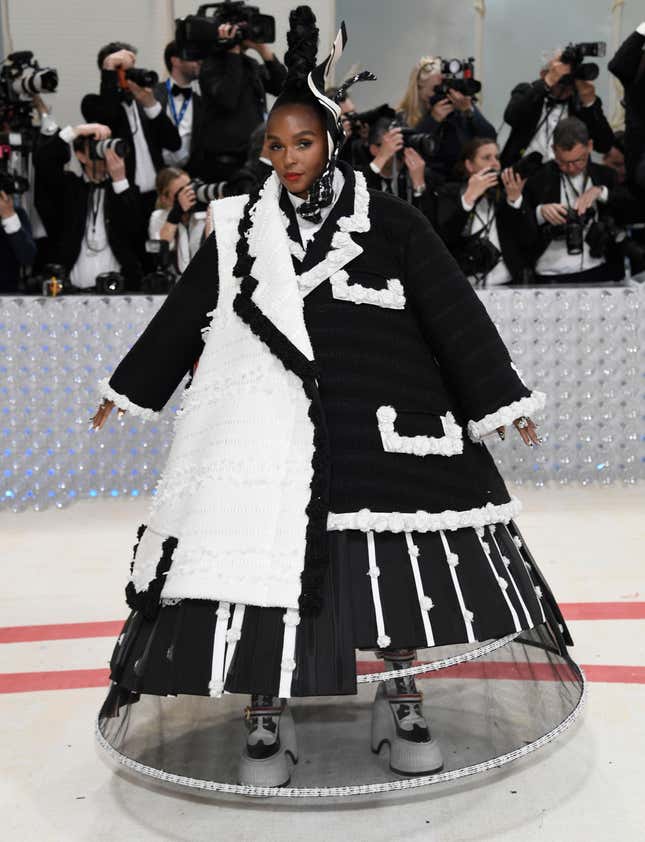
[327, 488]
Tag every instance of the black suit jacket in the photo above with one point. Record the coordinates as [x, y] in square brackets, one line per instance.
[524, 111]
[545, 188]
[106, 107]
[161, 94]
[628, 65]
[516, 228]
[63, 208]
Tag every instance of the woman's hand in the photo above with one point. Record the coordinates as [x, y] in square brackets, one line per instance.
[479, 183]
[513, 184]
[416, 167]
[115, 165]
[526, 428]
[441, 109]
[102, 413]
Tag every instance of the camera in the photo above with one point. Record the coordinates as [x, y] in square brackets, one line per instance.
[572, 231]
[575, 54]
[26, 77]
[110, 283]
[421, 142]
[163, 277]
[54, 279]
[479, 256]
[12, 183]
[197, 36]
[141, 77]
[601, 234]
[459, 75]
[204, 193]
[525, 168]
[96, 149]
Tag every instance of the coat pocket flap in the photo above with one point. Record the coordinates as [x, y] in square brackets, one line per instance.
[419, 433]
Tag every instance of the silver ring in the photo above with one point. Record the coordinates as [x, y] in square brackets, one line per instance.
[522, 422]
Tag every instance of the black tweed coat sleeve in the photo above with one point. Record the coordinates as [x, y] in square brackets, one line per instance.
[172, 342]
[473, 359]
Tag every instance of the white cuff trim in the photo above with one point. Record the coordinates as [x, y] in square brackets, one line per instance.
[122, 402]
[506, 415]
[120, 186]
[368, 521]
[450, 444]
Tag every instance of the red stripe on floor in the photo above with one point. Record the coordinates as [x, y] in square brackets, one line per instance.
[111, 628]
[61, 631]
[603, 610]
[30, 682]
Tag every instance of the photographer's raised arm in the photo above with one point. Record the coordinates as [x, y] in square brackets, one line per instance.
[150, 372]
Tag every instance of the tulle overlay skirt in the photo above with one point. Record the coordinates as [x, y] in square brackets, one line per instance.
[491, 656]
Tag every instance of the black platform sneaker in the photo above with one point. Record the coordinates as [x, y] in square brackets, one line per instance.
[271, 736]
[397, 719]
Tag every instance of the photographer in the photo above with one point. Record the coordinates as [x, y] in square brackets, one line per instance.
[628, 66]
[451, 117]
[177, 218]
[398, 168]
[101, 209]
[234, 88]
[576, 202]
[17, 246]
[484, 220]
[536, 109]
[132, 113]
[182, 104]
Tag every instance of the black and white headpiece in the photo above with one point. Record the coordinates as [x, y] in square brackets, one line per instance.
[310, 86]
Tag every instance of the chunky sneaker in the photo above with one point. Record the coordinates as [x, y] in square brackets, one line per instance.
[397, 719]
[271, 736]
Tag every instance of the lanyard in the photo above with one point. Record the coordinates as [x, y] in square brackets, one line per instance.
[566, 180]
[171, 102]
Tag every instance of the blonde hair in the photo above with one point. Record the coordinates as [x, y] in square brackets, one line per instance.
[411, 106]
[165, 177]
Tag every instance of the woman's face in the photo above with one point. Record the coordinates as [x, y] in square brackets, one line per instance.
[427, 84]
[168, 196]
[297, 147]
[486, 157]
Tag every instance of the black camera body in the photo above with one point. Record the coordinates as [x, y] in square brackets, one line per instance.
[141, 77]
[197, 36]
[575, 54]
[459, 75]
[110, 283]
[13, 184]
[163, 277]
[21, 77]
[479, 256]
[573, 230]
[422, 142]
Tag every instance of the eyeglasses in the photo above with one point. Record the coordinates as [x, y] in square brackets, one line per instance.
[574, 163]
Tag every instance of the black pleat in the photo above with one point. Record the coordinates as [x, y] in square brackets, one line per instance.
[173, 653]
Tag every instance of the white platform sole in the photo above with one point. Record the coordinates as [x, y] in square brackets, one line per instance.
[406, 757]
[274, 770]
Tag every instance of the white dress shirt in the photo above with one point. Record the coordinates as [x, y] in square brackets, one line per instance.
[188, 238]
[145, 174]
[499, 274]
[95, 256]
[556, 260]
[185, 128]
[542, 140]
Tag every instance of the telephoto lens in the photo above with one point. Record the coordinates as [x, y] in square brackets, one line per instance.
[573, 234]
[98, 148]
[204, 193]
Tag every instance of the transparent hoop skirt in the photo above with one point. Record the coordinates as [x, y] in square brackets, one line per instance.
[499, 689]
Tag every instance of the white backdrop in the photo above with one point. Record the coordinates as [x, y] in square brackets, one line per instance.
[67, 34]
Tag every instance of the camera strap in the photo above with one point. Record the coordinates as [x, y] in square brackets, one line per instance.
[171, 101]
[576, 194]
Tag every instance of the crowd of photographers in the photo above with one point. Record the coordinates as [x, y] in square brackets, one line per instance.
[119, 202]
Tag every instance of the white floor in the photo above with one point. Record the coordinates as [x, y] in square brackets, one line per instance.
[70, 567]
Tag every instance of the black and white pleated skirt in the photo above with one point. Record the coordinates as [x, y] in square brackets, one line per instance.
[399, 590]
